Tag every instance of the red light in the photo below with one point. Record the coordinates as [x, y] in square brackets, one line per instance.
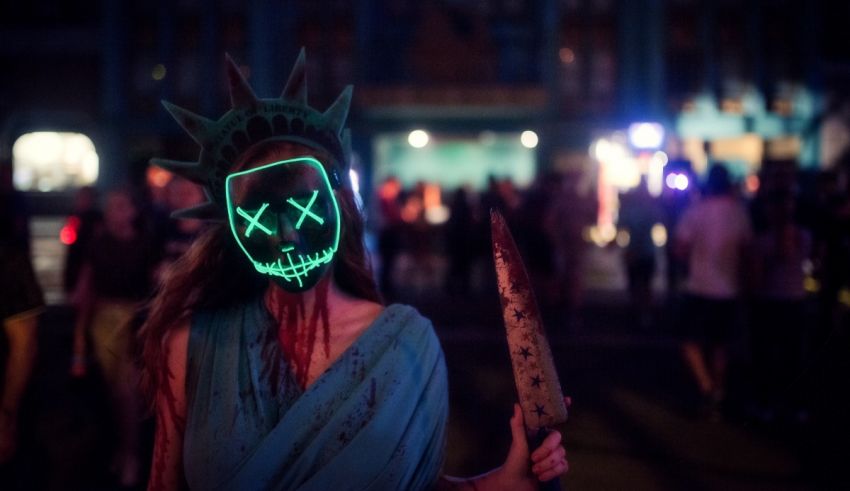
[68, 234]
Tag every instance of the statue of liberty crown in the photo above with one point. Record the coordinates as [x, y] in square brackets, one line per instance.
[251, 121]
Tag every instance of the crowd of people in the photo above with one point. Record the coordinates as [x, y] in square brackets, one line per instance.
[756, 279]
[548, 220]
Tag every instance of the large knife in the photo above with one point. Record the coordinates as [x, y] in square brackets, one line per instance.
[535, 376]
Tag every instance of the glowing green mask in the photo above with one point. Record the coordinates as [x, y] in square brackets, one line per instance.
[285, 218]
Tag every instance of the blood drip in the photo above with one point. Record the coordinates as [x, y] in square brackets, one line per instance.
[297, 335]
[166, 409]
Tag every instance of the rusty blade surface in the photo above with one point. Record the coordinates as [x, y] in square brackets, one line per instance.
[536, 379]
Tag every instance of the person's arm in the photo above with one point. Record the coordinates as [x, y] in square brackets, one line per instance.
[521, 471]
[167, 464]
[21, 333]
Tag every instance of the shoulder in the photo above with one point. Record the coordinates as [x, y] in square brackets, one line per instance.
[175, 345]
[406, 315]
[411, 325]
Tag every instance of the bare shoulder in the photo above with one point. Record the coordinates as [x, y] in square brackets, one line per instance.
[358, 314]
[176, 346]
[366, 312]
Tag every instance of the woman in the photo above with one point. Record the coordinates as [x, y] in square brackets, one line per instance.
[272, 362]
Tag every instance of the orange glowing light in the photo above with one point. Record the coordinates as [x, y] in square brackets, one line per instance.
[158, 177]
[431, 195]
[752, 183]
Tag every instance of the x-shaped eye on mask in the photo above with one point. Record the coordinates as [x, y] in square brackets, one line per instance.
[305, 210]
[254, 221]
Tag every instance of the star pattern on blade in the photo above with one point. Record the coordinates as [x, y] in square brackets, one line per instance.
[536, 381]
[539, 409]
[519, 314]
[524, 352]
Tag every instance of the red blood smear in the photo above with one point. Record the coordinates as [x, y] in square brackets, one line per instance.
[297, 335]
[166, 409]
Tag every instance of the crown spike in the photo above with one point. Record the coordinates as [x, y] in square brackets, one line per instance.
[208, 211]
[241, 94]
[197, 126]
[336, 114]
[346, 146]
[296, 87]
[192, 171]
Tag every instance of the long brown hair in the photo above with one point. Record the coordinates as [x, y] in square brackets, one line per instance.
[213, 272]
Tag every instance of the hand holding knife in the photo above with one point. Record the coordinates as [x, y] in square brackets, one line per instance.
[536, 379]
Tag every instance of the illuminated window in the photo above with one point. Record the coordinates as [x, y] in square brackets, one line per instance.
[53, 161]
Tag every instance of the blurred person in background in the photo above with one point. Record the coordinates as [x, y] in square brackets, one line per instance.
[178, 235]
[390, 229]
[83, 222]
[21, 302]
[116, 276]
[639, 212]
[461, 245]
[777, 328]
[568, 213]
[533, 238]
[674, 201]
[714, 235]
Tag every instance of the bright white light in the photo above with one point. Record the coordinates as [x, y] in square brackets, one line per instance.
[646, 135]
[418, 138]
[355, 181]
[600, 149]
[437, 214]
[677, 181]
[51, 161]
[528, 139]
[655, 173]
[609, 151]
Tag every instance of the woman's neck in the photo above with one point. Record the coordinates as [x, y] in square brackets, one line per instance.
[325, 292]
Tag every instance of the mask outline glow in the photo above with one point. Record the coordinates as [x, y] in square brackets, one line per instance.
[300, 266]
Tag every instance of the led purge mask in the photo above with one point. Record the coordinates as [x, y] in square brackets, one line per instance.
[285, 218]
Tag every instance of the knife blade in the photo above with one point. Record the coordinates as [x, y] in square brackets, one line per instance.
[536, 379]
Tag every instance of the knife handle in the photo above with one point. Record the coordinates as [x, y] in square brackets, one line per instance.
[536, 440]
